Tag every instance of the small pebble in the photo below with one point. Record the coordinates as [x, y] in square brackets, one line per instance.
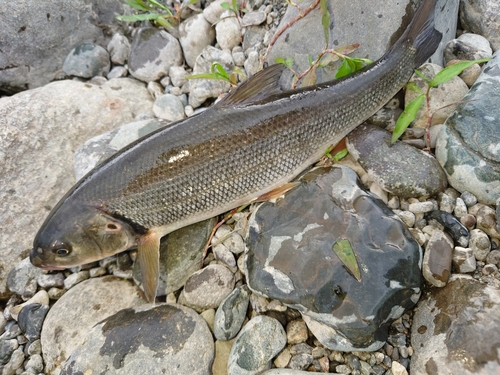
[468, 198]
[421, 207]
[489, 269]
[493, 257]
[76, 278]
[460, 208]
[50, 280]
[468, 221]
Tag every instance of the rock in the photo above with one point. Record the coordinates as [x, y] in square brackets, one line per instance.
[452, 225]
[487, 222]
[208, 287]
[151, 339]
[354, 21]
[117, 72]
[39, 131]
[7, 347]
[467, 47]
[231, 314]
[253, 37]
[342, 312]
[482, 17]
[35, 364]
[441, 96]
[40, 298]
[400, 169]
[213, 11]
[252, 63]
[35, 43]
[15, 362]
[119, 49]
[471, 74]
[87, 61]
[456, 329]
[480, 244]
[169, 107]
[438, 255]
[195, 34]
[76, 278]
[31, 319]
[468, 148]
[228, 31]
[253, 18]
[178, 75]
[152, 54]
[256, 345]
[296, 332]
[50, 280]
[77, 311]
[23, 277]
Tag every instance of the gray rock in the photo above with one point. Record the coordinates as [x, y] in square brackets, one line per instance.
[482, 17]
[31, 319]
[438, 255]
[15, 362]
[342, 312]
[151, 339]
[252, 63]
[23, 278]
[38, 34]
[7, 347]
[178, 75]
[480, 244]
[231, 313]
[195, 34]
[35, 364]
[87, 61]
[76, 278]
[228, 31]
[250, 354]
[152, 54]
[468, 148]
[119, 49]
[208, 287]
[487, 222]
[51, 280]
[169, 107]
[39, 132]
[467, 47]
[456, 329]
[254, 36]
[77, 311]
[253, 18]
[156, 90]
[400, 169]
[117, 72]
[213, 11]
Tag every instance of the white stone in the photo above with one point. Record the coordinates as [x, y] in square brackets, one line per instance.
[195, 34]
[228, 31]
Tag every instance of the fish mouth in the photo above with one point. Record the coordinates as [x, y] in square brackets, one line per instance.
[38, 262]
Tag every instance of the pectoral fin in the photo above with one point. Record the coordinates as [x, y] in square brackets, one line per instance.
[148, 251]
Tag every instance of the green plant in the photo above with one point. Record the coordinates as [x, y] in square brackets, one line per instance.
[217, 71]
[411, 109]
[164, 18]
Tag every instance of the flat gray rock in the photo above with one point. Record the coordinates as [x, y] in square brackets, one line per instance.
[152, 339]
[40, 130]
[456, 329]
[468, 148]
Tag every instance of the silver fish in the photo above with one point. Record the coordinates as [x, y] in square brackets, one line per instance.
[255, 140]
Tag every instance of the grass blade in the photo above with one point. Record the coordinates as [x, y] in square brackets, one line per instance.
[139, 17]
[452, 71]
[346, 255]
[407, 117]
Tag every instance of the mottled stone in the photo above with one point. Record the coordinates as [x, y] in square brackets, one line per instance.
[467, 46]
[480, 244]
[438, 255]
[452, 225]
[31, 319]
[40, 298]
[342, 312]
[51, 280]
[296, 332]
[482, 17]
[400, 169]
[464, 260]
[456, 329]
[151, 339]
[23, 277]
[87, 61]
[231, 314]
[487, 221]
[228, 31]
[169, 107]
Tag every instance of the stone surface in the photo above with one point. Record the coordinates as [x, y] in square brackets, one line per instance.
[148, 339]
[169, 107]
[400, 169]
[86, 61]
[23, 277]
[195, 34]
[227, 31]
[152, 53]
[256, 345]
[31, 319]
[77, 311]
[119, 49]
[456, 329]
[37, 35]
[467, 47]
[231, 313]
[342, 312]
[463, 260]
[438, 255]
[468, 148]
[482, 17]
[39, 132]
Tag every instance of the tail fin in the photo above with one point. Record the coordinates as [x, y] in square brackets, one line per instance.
[421, 32]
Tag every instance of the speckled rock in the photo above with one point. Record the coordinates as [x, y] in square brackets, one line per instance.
[195, 34]
[482, 17]
[342, 312]
[231, 313]
[156, 340]
[23, 277]
[256, 345]
[77, 311]
[152, 53]
[400, 169]
[87, 60]
[468, 148]
[456, 329]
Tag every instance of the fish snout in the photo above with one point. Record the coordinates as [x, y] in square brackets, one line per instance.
[37, 261]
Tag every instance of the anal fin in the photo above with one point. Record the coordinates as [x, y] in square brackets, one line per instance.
[148, 252]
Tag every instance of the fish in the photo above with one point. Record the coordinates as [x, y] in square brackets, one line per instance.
[255, 140]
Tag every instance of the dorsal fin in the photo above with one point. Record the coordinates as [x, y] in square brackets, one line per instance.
[256, 88]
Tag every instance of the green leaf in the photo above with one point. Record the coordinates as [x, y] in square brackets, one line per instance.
[139, 17]
[138, 4]
[162, 21]
[219, 70]
[310, 78]
[226, 6]
[420, 74]
[407, 117]
[344, 70]
[310, 59]
[288, 62]
[235, 6]
[325, 20]
[160, 5]
[414, 87]
[452, 71]
[340, 155]
[346, 255]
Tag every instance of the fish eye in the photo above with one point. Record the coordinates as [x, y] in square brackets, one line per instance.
[61, 249]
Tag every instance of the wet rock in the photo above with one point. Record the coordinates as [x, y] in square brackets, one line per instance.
[342, 312]
[119, 49]
[195, 34]
[208, 287]
[87, 61]
[438, 255]
[456, 329]
[473, 16]
[156, 339]
[467, 47]
[452, 225]
[180, 256]
[441, 96]
[231, 313]
[77, 311]
[227, 31]
[31, 319]
[169, 107]
[152, 54]
[400, 169]
[464, 260]
[468, 148]
[23, 278]
[256, 345]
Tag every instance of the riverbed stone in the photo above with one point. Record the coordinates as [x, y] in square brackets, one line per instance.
[342, 312]
[482, 17]
[86, 61]
[195, 34]
[231, 313]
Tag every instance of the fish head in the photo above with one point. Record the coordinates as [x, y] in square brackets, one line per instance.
[76, 234]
